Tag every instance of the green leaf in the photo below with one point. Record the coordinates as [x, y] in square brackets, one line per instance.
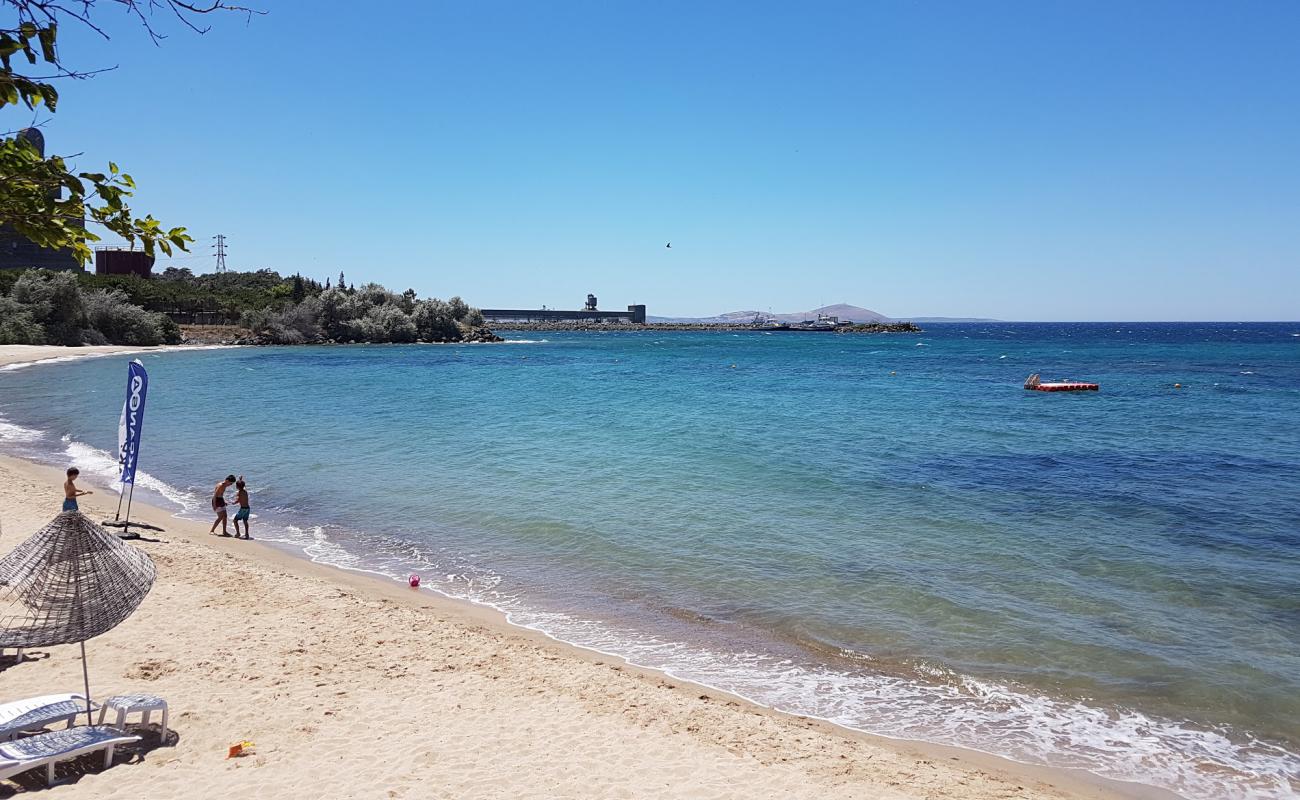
[47, 36]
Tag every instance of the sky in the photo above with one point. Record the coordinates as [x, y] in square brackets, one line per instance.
[1035, 160]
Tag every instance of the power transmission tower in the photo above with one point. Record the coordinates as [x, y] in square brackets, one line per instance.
[221, 251]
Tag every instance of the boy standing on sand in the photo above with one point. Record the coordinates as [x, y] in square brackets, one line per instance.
[70, 490]
[241, 500]
[219, 505]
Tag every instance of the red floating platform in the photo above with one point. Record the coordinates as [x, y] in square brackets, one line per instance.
[1070, 386]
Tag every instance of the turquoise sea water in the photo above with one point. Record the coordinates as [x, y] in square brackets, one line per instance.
[884, 531]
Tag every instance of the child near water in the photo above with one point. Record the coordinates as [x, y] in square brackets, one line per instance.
[70, 490]
[241, 499]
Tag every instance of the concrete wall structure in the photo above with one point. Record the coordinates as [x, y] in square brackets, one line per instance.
[121, 261]
[635, 314]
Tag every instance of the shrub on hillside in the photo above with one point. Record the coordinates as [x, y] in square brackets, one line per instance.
[383, 323]
[434, 321]
[54, 301]
[110, 313]
[17, 325]
[293, 325]
[338, 309]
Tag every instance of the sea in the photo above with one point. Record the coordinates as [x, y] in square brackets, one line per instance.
[884, 531]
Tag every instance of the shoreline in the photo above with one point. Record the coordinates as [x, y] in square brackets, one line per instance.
[959, 772]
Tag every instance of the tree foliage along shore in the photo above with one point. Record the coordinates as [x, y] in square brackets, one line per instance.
[369, 314]
[41, 307]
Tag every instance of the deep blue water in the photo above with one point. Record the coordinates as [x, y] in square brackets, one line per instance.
[881, 530]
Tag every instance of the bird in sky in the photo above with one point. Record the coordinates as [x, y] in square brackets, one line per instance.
[669, 245]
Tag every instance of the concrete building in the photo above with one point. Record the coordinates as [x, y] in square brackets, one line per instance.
[123, 261]
[635, 314]
[19, 252]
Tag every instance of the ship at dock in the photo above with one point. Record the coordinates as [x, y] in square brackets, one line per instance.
[822, 324]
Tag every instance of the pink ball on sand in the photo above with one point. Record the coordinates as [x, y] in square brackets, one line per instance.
[414, 580]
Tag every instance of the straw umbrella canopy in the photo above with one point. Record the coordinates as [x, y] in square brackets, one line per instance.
[69, 582]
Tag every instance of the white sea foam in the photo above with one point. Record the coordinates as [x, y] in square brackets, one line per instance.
[104, 467]
[1122, 744]
[525, 341]
[10, 432]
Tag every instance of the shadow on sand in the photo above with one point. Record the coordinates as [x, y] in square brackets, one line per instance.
[151, 736]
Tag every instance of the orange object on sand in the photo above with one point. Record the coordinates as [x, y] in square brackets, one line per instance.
[240, 749]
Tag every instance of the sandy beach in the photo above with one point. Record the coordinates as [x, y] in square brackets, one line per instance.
[25, 355]
[352, 686]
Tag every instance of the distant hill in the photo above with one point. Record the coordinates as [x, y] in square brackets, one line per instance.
[842, 310]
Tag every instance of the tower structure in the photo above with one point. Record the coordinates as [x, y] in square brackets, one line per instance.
[221, 251]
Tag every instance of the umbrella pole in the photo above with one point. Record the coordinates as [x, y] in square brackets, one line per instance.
[85, 677]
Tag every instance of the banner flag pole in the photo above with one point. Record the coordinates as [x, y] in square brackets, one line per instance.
[128, 434]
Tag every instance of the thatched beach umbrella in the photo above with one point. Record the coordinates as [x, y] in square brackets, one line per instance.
[69, 582]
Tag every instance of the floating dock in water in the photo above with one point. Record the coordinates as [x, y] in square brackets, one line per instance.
[1034, 384]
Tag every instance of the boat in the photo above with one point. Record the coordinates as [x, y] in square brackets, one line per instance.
[820, 325]
[1035, 384]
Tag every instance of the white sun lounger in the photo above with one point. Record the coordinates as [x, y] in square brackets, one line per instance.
[47, 749]
[37, 712]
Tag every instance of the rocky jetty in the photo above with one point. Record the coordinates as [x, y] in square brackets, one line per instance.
[880, 327]
[479, 333]
[659, 327]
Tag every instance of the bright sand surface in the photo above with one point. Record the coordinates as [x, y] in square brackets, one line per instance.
[11, 354]
[352, 686]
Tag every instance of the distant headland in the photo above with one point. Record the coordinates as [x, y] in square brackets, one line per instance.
[841, 311]
[839, 318]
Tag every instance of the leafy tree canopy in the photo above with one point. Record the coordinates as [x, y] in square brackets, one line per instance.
[41, 197]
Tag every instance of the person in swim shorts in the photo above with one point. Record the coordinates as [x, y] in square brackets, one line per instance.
[70, 490]
[241, 500]
[219, 505]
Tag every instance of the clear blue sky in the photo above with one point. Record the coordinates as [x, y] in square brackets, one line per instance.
[1031, 160]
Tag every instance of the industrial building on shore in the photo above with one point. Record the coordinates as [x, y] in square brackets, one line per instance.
[114, 260]
[19, 252]
[634, 315]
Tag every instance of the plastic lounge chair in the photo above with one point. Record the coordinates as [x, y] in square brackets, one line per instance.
[37, 712]
[47, 749]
